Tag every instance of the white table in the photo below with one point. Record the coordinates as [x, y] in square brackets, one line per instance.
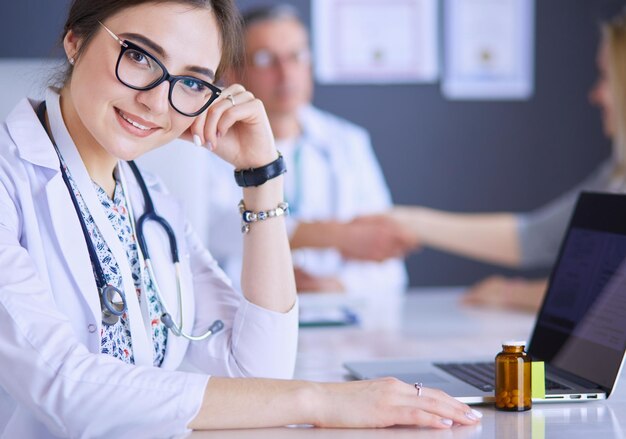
[431, 324]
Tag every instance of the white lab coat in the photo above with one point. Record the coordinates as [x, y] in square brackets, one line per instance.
[339, 179]
[54, 381]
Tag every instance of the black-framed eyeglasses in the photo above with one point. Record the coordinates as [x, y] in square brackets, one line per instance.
[136, 68]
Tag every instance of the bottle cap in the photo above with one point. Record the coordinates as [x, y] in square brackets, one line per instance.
[514, 343]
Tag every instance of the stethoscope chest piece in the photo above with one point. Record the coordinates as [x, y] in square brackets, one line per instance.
[113, 303]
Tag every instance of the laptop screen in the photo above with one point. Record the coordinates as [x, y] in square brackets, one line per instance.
[581, 327]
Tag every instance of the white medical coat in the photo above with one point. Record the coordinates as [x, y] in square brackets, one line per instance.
[54, 381]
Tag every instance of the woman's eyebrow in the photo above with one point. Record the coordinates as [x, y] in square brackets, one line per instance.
[146, 42]
[161, 52]
[202, 71]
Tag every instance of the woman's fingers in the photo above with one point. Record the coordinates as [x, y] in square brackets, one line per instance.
[247, 107]
[444, 409]
[234, 94]
[388, 401]
[195, 133]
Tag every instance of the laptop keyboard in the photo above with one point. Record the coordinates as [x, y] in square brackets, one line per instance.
[483, 375]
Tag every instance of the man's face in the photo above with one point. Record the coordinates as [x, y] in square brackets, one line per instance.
[278, 65]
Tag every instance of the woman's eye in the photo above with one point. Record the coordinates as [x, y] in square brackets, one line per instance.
[138, 57]
[193, 85]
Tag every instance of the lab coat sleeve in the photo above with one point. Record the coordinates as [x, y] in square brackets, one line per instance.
[73, 392]
[372, 196]
[255, 342]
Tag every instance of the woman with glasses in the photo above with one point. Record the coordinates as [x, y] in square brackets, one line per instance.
[107, 299]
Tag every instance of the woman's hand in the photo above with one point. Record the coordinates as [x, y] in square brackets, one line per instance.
[387, 401]
[375, 237]
[307, 283]
[509, 293]
[236, 128]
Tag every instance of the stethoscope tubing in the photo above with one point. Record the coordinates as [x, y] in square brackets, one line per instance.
[106, 291]
[111, 311]
[151, 215]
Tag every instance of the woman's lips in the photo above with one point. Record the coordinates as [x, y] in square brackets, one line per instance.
[134, 124]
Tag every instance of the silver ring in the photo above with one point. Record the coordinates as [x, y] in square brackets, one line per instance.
[419, 387]
[231, 98]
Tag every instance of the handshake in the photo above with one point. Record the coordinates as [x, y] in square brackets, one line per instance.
[376, 237]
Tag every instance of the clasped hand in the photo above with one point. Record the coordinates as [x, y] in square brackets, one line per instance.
[375, 238]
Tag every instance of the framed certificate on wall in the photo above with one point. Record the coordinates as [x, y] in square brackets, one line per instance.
[489, 49]
[374, 41]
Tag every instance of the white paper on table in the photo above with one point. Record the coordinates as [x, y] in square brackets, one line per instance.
[375, 41]
[488, 49]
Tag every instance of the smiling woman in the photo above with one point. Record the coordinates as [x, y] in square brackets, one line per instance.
[106, 294]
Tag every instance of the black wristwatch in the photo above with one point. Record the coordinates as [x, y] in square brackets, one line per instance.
[258, 176]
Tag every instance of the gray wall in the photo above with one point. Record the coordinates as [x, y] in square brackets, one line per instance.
[462, 156]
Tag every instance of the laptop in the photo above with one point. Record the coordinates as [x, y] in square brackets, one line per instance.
[580, 331]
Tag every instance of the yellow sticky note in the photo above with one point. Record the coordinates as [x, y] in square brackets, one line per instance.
[538, 379]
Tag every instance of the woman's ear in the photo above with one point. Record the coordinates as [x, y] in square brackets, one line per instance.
[71, 44]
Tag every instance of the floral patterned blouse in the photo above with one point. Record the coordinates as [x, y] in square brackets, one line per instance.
[116, 339]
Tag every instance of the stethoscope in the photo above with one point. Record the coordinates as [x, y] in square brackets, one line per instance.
[296, 194]
[112, 299]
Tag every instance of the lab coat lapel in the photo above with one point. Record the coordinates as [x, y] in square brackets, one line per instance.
[142, 342]
[69, 235]
[35, 147]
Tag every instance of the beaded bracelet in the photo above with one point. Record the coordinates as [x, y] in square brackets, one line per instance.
[248, 216]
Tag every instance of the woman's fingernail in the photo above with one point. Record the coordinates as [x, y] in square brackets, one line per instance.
[196, 140]
[473, 415]
[218, 134]
[209, 145]
[447, 422]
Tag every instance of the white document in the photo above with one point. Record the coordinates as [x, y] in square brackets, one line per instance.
[375, 41]
[489, 49]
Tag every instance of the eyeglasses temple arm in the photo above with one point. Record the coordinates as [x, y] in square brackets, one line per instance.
[122, 43]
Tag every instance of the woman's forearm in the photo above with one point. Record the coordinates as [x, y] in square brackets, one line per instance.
[490, 237]
[254, 403]
[267, 278]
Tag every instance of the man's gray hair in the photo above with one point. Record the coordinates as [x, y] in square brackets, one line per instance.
[259, 14]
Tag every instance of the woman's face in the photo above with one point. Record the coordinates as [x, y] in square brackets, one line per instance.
[98, 107]
[601, 95]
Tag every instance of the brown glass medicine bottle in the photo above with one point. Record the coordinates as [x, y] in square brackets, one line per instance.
[513, 380]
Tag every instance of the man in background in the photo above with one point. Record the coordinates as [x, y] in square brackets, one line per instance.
[334, 184]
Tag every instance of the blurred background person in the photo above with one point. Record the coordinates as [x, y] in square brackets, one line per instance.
[334, 183]
[532, 239]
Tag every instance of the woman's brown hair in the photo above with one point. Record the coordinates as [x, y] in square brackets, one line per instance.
[84, 17]
[614, 39]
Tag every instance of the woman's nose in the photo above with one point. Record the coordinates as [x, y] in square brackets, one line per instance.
[156, 99]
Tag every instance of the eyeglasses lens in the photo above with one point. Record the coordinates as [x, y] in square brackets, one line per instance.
[140, 71]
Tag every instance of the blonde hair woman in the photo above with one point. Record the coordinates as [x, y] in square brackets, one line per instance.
[532, 239]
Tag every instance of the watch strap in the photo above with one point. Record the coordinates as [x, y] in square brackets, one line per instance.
[258, 176]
